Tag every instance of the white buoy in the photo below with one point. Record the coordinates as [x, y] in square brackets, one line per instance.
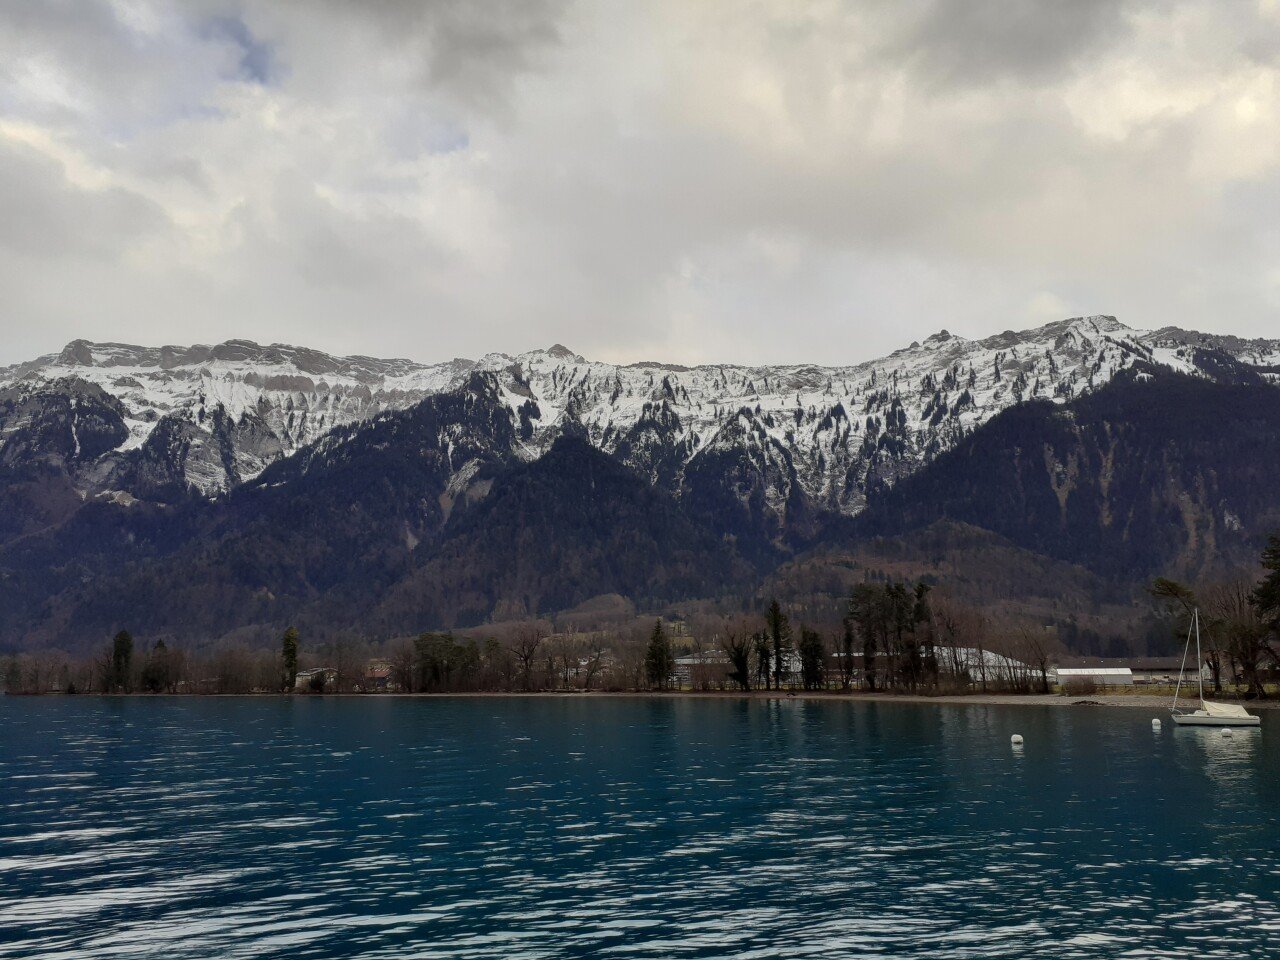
[1016, 739]
[1226, 731]
[1155, 724]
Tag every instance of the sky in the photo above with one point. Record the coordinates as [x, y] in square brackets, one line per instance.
[751, 181]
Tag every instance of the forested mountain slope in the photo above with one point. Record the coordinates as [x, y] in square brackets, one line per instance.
[1156, 473]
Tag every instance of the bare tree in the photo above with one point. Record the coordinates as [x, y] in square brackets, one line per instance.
[594, 661]
[400, 654]
[1235, 623]
[630, 644]
[1035, 652]
[961, 649]
[525, 646]
[738, 647]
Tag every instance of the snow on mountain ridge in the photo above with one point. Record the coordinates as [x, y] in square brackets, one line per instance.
[835, 431]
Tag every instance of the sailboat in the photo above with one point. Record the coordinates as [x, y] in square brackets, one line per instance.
[1209, 714]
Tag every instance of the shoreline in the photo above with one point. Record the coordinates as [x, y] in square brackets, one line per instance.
[1150, 701]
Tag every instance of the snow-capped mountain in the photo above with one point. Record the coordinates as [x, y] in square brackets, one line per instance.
[222, 413]
[212, 417]
[206, 491]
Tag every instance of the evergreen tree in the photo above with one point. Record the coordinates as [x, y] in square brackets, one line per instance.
[658, 658]
[813, 659]
[121, 661]
[1265, 600]
[779, 635]
[1173, 593]
[442, 663]
[1266, 595]
[866, 613]
[157, 672]
[1178, 596]
[909, 615]
[900, 606]
[289, 657]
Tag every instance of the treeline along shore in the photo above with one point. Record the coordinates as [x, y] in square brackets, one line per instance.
[895, 638]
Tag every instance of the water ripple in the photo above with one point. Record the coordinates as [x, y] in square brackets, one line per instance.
[184, 828]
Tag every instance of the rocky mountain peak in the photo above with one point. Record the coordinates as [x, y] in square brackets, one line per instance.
[841, 426]
[560, 352]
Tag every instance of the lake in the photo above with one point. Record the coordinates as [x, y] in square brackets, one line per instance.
[629, 827]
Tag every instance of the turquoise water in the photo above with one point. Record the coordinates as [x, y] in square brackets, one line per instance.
[540, 827]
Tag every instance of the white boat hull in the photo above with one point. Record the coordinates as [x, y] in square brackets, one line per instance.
[1198, 719]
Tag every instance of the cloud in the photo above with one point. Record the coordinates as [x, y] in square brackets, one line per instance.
[457, 51]
[45, 216]
[981, 41]
[751, 181]
[257, 59]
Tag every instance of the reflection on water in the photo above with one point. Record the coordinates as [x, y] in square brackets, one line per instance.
[1226, 759]
[496, 827]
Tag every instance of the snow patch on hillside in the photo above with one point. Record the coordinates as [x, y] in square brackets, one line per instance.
[843, 428]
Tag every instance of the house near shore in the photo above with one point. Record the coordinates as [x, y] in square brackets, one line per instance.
[314, 678]
[1095, 675]
[712, 670]
[1122, 671]
[1162, 669]
[708, 670]
[379, 677]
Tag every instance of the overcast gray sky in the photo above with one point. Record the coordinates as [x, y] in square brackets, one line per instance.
[760, 180]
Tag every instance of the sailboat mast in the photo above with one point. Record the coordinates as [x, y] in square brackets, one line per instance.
[1199, 658]
[1182, 670]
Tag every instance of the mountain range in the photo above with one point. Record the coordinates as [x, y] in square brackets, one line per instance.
[214, 491]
